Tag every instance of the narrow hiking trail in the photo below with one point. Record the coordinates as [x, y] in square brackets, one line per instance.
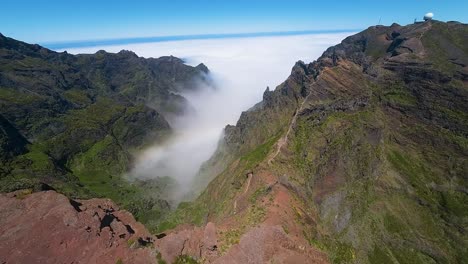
[279, 144]
[249, 178]
[284, 139]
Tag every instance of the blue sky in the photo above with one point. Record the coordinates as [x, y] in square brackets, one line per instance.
[53, 21]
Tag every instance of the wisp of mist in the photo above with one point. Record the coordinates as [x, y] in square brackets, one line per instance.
[241, 69]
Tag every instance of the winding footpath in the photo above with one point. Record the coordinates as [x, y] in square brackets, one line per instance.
[249, 178]
[284, 139]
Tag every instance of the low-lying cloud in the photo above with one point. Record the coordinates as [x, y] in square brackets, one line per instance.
[241, 69]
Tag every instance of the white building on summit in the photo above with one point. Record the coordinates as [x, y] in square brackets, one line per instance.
[428, 16]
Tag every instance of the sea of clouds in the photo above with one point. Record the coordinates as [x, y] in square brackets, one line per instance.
[241, 69]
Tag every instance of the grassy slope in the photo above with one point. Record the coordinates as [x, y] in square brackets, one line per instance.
[404, 205]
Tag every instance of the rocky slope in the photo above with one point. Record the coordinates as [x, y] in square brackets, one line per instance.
[47, 227]
[63, 230]
[361, 154]
[73, 122]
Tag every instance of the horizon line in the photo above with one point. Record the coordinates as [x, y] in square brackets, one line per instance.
[60, 45]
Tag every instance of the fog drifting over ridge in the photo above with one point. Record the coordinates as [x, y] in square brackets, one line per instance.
[241, 69]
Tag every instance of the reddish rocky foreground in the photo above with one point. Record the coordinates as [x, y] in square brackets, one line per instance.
[47, 227]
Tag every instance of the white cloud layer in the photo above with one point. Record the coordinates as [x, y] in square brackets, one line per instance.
[242, 68]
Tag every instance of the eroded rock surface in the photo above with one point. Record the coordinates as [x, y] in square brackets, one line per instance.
[197, 242]
[270, 244]
[47, 227]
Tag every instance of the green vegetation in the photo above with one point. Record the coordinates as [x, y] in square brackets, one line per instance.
[131, 243]
[351, 135]
[24, 193]
[394, 225]
[400, 95]
[258, 193]
[339, 252]
[40, 162]
[379, 255]
[255, 215]
[259, 153]
[186, 212]
[229, 238]
[373, 46]
[185, 259]
[72, 123]
[342, 253]
[11, 95]
[159, 259]
[441, 43]
[77, 97]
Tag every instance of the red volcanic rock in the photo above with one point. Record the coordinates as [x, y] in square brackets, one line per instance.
[197, 242]
[270, 244]
[47, 227]
[210, 241]
[263, 244]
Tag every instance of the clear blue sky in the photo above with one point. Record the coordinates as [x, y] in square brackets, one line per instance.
[65, 20]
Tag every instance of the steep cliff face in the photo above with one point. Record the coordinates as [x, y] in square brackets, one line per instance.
[72, 122]
[362, 153]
